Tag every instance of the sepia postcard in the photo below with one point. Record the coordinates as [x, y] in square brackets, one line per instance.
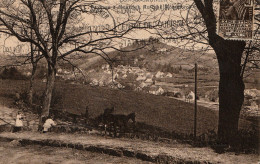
[129, 81]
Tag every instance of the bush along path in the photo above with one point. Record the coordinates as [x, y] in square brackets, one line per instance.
[144, 150]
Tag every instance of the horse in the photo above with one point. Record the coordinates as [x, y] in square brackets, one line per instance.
[102, 118]
[113, 121]
[120, 121]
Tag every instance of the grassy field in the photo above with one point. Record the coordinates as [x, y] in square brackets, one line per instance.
[159, 111]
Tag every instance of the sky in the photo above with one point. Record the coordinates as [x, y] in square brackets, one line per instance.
[151, 11]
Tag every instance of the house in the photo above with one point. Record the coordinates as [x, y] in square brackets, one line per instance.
[70, 76]
[149, 75]
[163, 50]
[108, 71]
[101, 83]
[252, 98]
[124, 76]
[138, 89]
[108, 81]
[253, 93]
[66, 72]
[169, 94]
[120, 85]
[169, 75]
[135, 69]
[115, 76]
[107, 66]
[140, 78]
[149, 80]
[135, 61]
[116, 85]
[28, 74]
[94, 82]
[59, 70]
[190, 96]
[156, 90]
[159, 74]
[143, 84]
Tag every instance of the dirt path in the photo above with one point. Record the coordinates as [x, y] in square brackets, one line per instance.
[11, 152]
[207, 104]
[144, 150]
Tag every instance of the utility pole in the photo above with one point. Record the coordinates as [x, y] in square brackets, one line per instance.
[195, 103]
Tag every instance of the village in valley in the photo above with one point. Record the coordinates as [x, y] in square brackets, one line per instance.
[178, 83]
[129, 81]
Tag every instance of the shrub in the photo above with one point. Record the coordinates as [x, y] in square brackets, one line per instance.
[178, 94]
[246, 141]
[12, 73]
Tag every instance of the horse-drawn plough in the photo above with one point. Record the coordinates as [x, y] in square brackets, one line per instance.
[116, 125]
[106, 123]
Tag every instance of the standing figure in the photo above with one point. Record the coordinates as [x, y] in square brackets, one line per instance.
[18, 122]
[48, 124]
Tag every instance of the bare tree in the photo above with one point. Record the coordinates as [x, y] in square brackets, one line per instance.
[54, 29]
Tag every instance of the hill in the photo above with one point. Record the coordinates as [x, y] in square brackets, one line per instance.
[159, 111]
[153, 55]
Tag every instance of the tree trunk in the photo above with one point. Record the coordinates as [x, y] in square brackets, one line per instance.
[231, 89]
[47, 94]
[30, 93]
[231, 85]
